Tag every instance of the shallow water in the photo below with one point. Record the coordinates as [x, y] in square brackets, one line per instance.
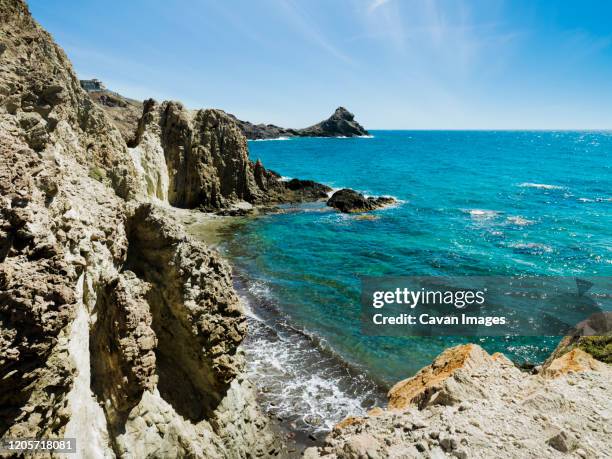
[471, 203]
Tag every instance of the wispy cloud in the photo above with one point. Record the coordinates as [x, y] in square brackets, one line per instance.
[308, 28]
[377, 4]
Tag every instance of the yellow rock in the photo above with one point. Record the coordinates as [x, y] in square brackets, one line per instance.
[413, 390]
[575, 361]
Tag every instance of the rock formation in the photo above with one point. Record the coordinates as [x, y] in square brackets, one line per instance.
[468, 403]
[115, 327]
[341, 124]
[200, 159]
[349, 201]
[123, 112]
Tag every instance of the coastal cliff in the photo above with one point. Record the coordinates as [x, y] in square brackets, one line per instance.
[124, 113]
[119, 329]
[200, 159]
[115, 326]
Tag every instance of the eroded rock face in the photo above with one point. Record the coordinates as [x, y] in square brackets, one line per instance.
[50, 112]
[204, 161]
[115, 326]
[123, 112]
[349, 201]
[468, 403]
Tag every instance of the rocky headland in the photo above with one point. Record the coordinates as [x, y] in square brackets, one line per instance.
[341, 123]
[121, 330]
[125, 114]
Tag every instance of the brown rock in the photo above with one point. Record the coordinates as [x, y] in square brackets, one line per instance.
[575, 361]
[420, 389]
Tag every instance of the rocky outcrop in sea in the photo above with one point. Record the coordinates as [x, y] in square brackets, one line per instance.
[351, 201]
[341, 123]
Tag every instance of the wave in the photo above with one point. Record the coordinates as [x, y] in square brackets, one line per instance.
[530, 248]
[482, 214]
[270, 140]
[595, 199]
[519, 221]
[301, 380]
[542, 186]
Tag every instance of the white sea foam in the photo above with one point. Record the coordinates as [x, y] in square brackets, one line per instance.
[519, 221]
[542, 186]
[298, 382]
[482, 214]
[531, 247]
[270, 140]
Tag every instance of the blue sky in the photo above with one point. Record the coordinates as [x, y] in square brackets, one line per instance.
[397, 64]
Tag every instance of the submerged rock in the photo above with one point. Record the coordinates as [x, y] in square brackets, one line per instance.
[347, 200]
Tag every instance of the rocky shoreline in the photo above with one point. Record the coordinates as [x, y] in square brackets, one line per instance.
[120, 329]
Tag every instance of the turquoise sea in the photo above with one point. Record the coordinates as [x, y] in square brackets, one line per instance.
[470, 203]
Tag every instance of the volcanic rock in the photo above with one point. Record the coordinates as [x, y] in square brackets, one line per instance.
[342, 123]
[349, 201]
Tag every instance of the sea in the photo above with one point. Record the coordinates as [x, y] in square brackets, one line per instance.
[469, 203]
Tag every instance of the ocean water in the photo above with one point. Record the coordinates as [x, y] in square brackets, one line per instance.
[470, 203]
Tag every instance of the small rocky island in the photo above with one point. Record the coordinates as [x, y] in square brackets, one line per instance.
[350, 201]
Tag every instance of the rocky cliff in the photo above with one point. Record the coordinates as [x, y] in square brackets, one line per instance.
[200, 159]
[115, 327]
[125, 114]
[341, 123]
[469, 404]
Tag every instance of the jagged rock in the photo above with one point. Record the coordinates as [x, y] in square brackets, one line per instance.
[341, 124]
[489, 409]
[593, 336]
[306, 190]
[575, 360]
[348, 201]
[433, 383]
[123, 112]
[115, 327]
[264, 131]
[52, 113]
[200, 159]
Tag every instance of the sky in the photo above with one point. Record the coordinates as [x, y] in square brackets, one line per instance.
[396, 64]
